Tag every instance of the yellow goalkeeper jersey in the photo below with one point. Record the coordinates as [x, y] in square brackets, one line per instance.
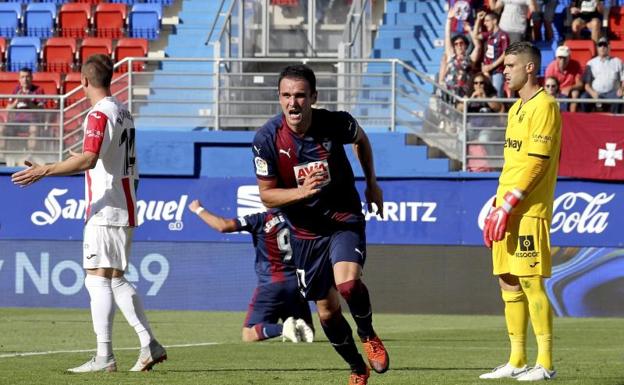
[533, 128]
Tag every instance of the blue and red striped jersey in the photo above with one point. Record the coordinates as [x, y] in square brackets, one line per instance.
[282, 155]
[271, 239]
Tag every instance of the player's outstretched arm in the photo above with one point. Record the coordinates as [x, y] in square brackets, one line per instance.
[72, 165]
[364, 152]
[218, 223]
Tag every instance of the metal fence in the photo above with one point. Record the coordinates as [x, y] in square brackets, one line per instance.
[49, 133]
[241, 94]
[308, 28]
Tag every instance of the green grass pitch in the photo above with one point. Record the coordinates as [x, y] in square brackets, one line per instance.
[424, 349]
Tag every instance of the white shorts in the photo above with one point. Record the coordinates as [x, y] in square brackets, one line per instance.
[106, 246]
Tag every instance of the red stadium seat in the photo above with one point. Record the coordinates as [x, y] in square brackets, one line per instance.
[92, 2]
[119, 86]
[75, 19]
[616, 48]
[50, 82]
[72, 81]
[73, 118]
[131, 47]
[8, 82]
[59, 54]
[110, 20]
[93, 45]
[616, 21]
[581, 50]
[2, 51]
[285, 3]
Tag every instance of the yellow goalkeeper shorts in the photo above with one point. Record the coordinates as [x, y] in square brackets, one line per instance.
[525, 250]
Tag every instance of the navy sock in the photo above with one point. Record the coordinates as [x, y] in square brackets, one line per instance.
[266, 331]
[339, 334]
[358, 299]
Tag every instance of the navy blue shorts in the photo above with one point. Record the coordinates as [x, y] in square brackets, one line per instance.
[277, 300]
[316, 258]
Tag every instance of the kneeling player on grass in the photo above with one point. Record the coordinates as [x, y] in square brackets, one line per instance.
[517, 229]
[276, 296]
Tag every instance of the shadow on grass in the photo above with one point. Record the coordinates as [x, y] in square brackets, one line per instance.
[276, 370]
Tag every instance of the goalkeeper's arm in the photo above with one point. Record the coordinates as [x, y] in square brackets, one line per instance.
[496, 221]
[533, 173]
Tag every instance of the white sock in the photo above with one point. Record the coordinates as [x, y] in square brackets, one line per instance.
[102, 312]
[131, 306]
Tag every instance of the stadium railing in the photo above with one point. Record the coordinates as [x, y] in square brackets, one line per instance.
[385, 95]
[310, 29]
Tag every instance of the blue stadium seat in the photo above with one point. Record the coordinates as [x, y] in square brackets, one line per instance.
[57, 2]
[10, 15]
[39, 19]
[23, 52]
[129, 2]
[144, 21]
[165, 3]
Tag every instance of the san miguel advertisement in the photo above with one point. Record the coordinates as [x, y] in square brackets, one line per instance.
[416, 212]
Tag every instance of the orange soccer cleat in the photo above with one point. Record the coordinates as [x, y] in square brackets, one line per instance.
[377, 355]
[359, 379]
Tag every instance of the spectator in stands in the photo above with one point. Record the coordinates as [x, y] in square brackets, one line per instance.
[543, 15]
[603, 77]
[586, 14]
[551, 86]
[482, 88]
[513, 16]
[568, 73]
[25, 122]
[457, 63]
[496, 42]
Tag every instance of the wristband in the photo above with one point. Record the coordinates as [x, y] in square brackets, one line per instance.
[198, 210]
[511, 199]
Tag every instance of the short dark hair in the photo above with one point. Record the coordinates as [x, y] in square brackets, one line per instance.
[493, 15]
[299, 71]
[98, 69]
[526, 48]
[26, 69]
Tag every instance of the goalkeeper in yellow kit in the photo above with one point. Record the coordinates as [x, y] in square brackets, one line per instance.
[517, 227]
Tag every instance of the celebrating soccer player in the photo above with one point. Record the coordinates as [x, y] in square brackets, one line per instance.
[517, 227]
[109, 161]
[277, 295]
[302, 167]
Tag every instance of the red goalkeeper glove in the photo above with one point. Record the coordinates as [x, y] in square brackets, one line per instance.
[500, 215]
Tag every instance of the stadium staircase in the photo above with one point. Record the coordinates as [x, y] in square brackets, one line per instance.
[411, 31]
[169, 93]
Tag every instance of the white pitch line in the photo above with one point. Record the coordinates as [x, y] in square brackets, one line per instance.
[26, 354]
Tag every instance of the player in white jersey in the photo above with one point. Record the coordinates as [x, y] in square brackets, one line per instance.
[109, 161]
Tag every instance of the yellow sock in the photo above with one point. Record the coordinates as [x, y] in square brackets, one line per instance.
[516, 317]
[541, 318]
